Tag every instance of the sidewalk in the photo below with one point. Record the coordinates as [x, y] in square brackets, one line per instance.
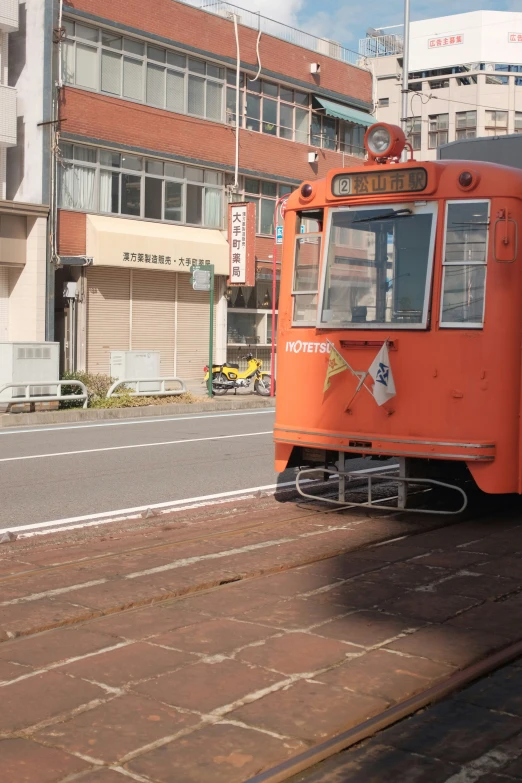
[230, 402]
[210, 646]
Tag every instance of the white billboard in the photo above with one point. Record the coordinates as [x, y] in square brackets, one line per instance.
[475, 37]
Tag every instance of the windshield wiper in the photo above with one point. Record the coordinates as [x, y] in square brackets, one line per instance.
[395, 213]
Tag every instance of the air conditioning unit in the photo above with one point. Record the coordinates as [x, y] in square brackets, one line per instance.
[136, 365]
[330, 48]
[28, 363]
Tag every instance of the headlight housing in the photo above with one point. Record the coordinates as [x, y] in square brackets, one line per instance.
[384, 141]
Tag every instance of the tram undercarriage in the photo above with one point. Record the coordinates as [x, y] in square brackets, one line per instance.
[407, 479]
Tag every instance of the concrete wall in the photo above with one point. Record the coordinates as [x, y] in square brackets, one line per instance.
[26, 73]
[27, 287]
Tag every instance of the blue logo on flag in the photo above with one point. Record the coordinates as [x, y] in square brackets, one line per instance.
[383, 374]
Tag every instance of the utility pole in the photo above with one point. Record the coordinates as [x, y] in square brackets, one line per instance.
[405, 72]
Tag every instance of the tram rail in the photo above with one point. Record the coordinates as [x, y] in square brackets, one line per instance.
[306, 761]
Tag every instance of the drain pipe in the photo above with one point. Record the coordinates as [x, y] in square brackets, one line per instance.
[238, 64]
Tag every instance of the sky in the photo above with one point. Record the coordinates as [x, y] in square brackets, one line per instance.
[346, 21]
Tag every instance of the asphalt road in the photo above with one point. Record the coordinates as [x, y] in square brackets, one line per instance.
[57, 472]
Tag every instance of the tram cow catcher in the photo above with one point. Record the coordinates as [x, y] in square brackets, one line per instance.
[400, 323]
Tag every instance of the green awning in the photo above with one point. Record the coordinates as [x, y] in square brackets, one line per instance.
[345, 113]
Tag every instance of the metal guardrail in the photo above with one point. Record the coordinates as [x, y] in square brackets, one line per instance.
[147, 392]
[381, 45]
[280, 30]
[33, 398]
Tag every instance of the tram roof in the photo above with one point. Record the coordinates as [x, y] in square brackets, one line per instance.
[442, 182]
[502, 150]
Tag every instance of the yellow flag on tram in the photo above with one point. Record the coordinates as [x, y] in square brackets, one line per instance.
[336, 364]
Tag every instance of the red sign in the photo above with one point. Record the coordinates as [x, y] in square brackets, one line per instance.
[515, 37]
[448, 40]
[241, 238]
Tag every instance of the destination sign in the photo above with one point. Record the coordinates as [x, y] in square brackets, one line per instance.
[375, 182]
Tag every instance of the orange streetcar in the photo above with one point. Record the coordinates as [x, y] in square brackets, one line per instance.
[400, 322]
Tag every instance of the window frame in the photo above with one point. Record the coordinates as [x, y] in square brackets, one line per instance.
[143, 174]
[299, 237]
[500, 130]
[257, 198]
[415, 136]
[437, 131]
[468, 324]
[72, 40]
[430, 207]
[463, 131]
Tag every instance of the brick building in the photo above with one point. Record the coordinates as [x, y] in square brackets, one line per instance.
[145, 161]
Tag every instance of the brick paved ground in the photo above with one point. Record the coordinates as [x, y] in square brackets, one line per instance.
[225, 641]
[475, 735]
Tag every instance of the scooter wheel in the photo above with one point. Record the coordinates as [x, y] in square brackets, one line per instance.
[219, 379]
[262, 386]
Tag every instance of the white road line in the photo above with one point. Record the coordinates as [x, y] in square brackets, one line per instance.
[133, 446]
[169, 505]
[156, 420]
[135, 512]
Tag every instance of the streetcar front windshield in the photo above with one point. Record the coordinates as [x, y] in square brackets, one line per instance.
[378, 266]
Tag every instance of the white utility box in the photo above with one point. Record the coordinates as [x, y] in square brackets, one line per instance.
[136, 365]
[29, 363]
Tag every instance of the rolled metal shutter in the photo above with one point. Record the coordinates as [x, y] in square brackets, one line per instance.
[4, 304]
[193, 329]
[108, 316]
[154, 315]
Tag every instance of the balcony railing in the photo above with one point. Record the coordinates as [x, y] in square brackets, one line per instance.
[279, 30]
[381, 45]
[8, 16]
[7, 116]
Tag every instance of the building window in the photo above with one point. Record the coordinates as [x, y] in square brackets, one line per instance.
[496, 123]
[518, 122]
[249, 318]
[438, 133]
[415, 132]
[305, 286]
[384, 102]
[466, 124]
[464, 263]
[98, 180]
[263, 194]
[439, 84]
[270, 108]
[114, 65]
[504, 79]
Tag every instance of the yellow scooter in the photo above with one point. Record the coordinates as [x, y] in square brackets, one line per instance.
[228, 376]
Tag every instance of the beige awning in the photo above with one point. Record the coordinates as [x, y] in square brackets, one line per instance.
[137, 244]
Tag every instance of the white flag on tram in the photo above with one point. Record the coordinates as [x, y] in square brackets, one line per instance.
[380, 370]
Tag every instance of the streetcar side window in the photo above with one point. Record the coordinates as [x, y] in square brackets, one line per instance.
[310, 221]
[305, 286]
[464, 264]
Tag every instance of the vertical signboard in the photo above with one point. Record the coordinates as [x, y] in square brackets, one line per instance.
[241, 238]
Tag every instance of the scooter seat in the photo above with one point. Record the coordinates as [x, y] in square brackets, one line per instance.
[233, 366]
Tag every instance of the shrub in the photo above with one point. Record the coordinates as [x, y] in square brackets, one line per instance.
[97, 387]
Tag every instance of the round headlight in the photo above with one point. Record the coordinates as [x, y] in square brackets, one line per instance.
[383, 141]
[379, 140]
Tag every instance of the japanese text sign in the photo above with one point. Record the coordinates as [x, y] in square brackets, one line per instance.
[446, 40]
[515, 37]
[241, 238]
[373, 183]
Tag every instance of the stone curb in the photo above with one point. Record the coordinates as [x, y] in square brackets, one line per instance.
[147, 412]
